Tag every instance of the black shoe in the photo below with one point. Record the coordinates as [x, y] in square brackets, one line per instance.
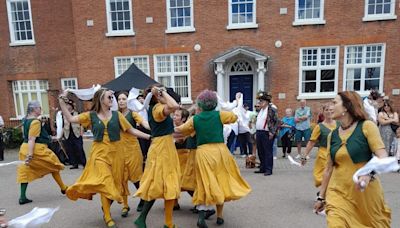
[201, 224]
[124, 212]
[177, 207]
[24, 201]
[220, 221]
[267, 174]
[209, 213]
[64, 191]
[74, 167]
[140, 206]
[258, 171]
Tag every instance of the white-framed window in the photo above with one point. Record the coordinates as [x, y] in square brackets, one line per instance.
[173, 70]
[309, 12]
[20, 22]
[28, 90]
[376, 10]
[69, 83]
[122, 63]
[119, 18]
[180, 16]
[318, 72]
[364, 68]
[242, 14]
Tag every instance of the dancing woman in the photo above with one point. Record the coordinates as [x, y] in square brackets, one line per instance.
[132, 155]
[218, 177]
[350, 147]
[100, 175]
[161, 177]
[320, 134]
[39, 159]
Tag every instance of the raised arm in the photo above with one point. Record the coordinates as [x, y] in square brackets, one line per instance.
[67, 115]
[166, 99]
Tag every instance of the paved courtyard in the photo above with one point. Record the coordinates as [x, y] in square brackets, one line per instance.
[282, 200]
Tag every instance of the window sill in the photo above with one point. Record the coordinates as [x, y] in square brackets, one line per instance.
[180, 30]
[25, 43]
[379, 18]
[186, 100]
[314, 96]
[112, 34]
[241, 26]
[308, 22]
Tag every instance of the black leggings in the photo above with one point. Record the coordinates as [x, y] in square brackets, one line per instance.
[286, 144]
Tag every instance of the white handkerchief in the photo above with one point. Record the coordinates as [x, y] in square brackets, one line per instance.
[378, 165]
[12, 163]
[85, 94]
[33, 219]
[293, 162]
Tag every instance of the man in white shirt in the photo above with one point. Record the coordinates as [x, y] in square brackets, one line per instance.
[266, 125]
[2, 146]
[244, 132]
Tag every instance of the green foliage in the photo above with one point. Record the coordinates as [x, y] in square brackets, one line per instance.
[12, 137]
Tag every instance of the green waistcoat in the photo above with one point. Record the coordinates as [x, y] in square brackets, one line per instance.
[130, 119]
[323, 137]
[44, 137]
[181, 145]
[165, 127]
[191, 142]
[113, 127]
[357, 145]
[209, 128]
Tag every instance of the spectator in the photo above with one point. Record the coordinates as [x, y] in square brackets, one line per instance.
[302, 118]
[253, 120]
[397, 151]
[244, 132]
[371, 105]
[287, 131]
[386, 118]
[3, 220]
[266, 125]
[1, 139]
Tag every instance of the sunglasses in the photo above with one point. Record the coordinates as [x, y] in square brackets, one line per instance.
[110, 97]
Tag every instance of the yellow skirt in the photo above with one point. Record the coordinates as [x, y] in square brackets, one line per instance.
[132, 164]
[44, 162]
[218, 178]
[319, 166]
[189, 174]
[183, 155]
[162, 174]
[98, 175]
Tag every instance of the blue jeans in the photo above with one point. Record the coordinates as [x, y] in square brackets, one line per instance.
[231, 142]
[265, 151]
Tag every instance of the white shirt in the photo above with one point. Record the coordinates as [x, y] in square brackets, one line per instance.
[1, 122]
[370, 109]
[261, 118]
[244, 123]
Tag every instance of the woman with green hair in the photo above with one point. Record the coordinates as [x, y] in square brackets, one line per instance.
[218, 178]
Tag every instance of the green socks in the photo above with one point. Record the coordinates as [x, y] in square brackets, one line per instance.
[141, 220]
[24, 186]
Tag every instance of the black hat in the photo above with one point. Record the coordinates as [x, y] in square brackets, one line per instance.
[264, 96]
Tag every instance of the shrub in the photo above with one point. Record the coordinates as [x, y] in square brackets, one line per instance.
[12, 137]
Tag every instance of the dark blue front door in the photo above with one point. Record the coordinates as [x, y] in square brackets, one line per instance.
[243, 84]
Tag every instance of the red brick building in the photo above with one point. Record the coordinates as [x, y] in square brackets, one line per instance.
[308, 49]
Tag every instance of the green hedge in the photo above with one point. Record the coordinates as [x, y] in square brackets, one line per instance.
[12, 137]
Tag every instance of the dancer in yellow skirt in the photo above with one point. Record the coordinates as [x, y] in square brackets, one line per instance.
[39, 159]
[161, 177]
[320, 134]
[350, 147]
[132, 156]
[101, 173]
[218, 177]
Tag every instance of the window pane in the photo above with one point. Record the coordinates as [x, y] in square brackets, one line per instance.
[181, 86]
[309, 87]
[353, 81]
[372, 72]
[327, 86]
[45, 103]
[327, 74]
[310, 75]
[165, 80]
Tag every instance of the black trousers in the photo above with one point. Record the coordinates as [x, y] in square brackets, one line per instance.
[2, 147]
[74, 147]
[286, 144]
[144, 143]
[264, 148]
[245, 146]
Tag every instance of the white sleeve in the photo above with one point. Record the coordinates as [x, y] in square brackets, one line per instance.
[59, 124]
[226, 106]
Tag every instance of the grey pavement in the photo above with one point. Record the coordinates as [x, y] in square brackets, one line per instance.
[284, 199]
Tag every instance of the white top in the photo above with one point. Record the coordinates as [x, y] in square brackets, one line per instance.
[261, 118]
[1, 122]
[244, 123]
[370, 109]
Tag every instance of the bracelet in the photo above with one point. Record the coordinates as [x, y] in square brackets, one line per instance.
[322, 200]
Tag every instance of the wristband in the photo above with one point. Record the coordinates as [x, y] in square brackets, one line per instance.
[322, 200]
